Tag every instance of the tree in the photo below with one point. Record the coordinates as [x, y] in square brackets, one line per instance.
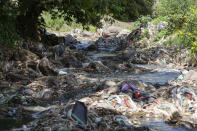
[87, 12]
[84, 11]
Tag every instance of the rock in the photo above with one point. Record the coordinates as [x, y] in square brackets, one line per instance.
[191, 76]
[51, 39]
[82, 45]
[16, 77]
[98, 67]
[71, 61]
[123, 32]
[28, 92]
[60, 50]
[192, 61]
[44, 94]
[69, 39]
[127, 54]
[45, 67]
[68, 80]
[134, 35]
[110, 83]
[174, 118]
[25, 56]
[4, 84]
[92, 47]
[61, 39]
[76, 31]
[111, 31]
[114, 29]
[38, 49]
[87, 34]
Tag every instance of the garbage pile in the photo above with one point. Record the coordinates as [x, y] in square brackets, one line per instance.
[77, 116]
[106, 110]
[79, 85]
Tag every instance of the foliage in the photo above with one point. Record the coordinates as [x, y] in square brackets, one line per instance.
[162, 34]
[126, 10]
[53, 22]
[188, 33]
[142, 20]
[159, 19]
[58, 23]
[8, 34]
[182, 16]
[86, 12]
[174, 9]
[146, 33]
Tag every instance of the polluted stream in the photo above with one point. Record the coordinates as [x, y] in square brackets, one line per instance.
[159, 75]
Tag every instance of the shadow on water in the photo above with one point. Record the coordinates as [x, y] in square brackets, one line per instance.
[162, 126]
[9, 123]
[158, 124]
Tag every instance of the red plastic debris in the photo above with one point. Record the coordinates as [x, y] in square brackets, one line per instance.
[137, 95]
[189, 96]
[107, 36]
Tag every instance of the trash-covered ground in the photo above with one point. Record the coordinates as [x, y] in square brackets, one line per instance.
[91, 82]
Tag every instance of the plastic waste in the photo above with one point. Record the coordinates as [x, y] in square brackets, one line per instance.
[159, 27]
[82, 45]
[184, 96]
[60, 50]
[62, 73]
[127, 87]
[107, 36]
[79, 113]
[123, 120]
[118, 101]
[137, 94]
[188, 96]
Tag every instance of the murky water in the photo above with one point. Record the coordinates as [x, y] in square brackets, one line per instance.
[158, 124]
[9, 123]
[160, 78]
[162, 126]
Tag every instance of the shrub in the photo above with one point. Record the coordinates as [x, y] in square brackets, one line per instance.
[188, 33]
[182, 16]
[174, 9]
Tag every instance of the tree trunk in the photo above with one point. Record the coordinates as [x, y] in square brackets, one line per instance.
[28, 25]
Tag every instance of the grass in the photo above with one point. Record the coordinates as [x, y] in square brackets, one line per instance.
[60, 24]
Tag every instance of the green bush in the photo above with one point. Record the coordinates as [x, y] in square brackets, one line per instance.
[146, 33]
[142, 20]
[53, 22]
[174, 9]
[159, 19]
[182, 16]
[188, 33]
[58, 23]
